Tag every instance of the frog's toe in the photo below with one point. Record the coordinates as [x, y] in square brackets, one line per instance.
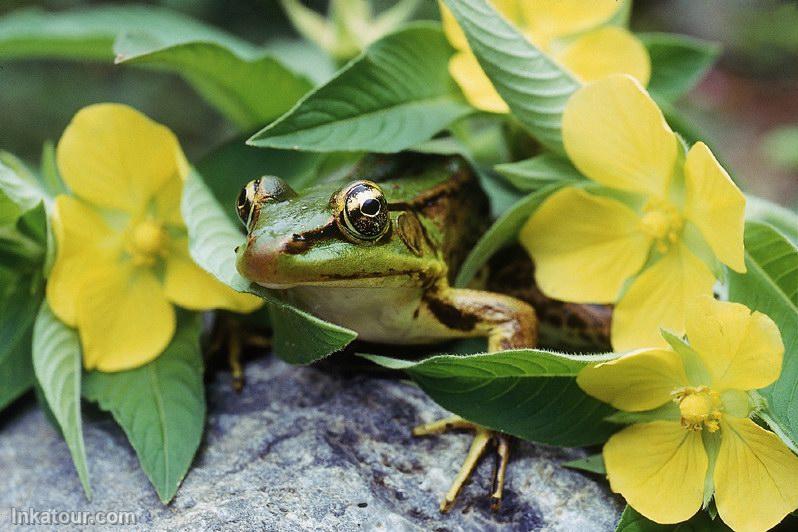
[482, 439]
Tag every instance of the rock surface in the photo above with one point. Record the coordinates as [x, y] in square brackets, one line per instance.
[302, 449]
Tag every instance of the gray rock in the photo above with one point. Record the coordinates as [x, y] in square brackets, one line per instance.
[302, 449]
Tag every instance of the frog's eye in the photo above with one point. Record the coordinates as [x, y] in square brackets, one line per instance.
[364, 211]
[246, 200]
[258, 191]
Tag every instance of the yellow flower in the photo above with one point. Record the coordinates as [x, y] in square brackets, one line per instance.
[700, 437]
[648, 233]
[569, 30]
[122, 259]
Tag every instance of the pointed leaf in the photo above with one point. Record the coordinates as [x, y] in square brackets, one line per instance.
[530, 175]
[632, 521]
[160, 406]
[503, 232]
[781, 218]
[228, 168]
[532, 84]
[591, 464]
[57, 361]
[20, 187]
[678, 63]
[249, 91]
[20, 297]
[237, 77]
[398, 93]
[16, 371]
[528, 393]
[771, 286]
[89, 33]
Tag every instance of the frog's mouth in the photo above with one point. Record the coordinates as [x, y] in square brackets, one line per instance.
[287, 263]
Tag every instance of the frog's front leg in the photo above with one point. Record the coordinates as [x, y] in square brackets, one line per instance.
[507, 323]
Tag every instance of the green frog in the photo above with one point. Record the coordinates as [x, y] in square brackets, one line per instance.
[375, 250]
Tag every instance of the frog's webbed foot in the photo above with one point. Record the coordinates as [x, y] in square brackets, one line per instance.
[228, 336]
[482, 439]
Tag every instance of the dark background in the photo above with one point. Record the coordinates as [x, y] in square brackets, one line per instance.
[745, 105]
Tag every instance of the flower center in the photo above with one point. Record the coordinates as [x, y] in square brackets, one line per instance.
[148, 240]
[699, 407]
[663, 222]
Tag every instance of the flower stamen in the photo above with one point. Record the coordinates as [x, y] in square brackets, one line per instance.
[663, 222]
[700, 407]
[147, 241]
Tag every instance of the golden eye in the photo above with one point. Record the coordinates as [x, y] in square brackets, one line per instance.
[364, 211]
[246, 200]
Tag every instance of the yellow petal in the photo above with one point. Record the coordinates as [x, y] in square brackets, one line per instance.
[84, 242]
[476, 86]
[191, 287]
[123, 317]
[549, 19]
[167, 203]
[659, 468]
[638, 381]
[115, 157]
[452, 30]
[616, 135]
[606, 51]
[715, 205]
[584, 246]
[755, 476]
[740, 349]
[658, 299]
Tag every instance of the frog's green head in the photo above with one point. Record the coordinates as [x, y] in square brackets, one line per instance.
[349, 235]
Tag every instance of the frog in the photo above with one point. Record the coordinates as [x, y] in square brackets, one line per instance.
[375, 249]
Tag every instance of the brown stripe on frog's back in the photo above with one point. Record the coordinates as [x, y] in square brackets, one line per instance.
[459, 208]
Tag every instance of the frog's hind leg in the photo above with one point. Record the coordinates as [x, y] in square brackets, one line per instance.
[508, 324]
[229, 336]
[483, 438]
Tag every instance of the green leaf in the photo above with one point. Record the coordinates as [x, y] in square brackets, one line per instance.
[632, 521]
[300, 338]
[9, 211]
[501, 233]
[21, 188]
[591, 464]
[89, 33]
[57, 361]
[678, 63]
[528, 393]
[780, 146]
[396, 94]
[545, 169]
[306, 58]
[20, 295]
[51, 179]
[532, 84]
[501, 195]
[782, 218]
[16, 371]
[231, 166]
[250, 92]
[160, 406]
[771, 286]
[694, 367]
[238, 78]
